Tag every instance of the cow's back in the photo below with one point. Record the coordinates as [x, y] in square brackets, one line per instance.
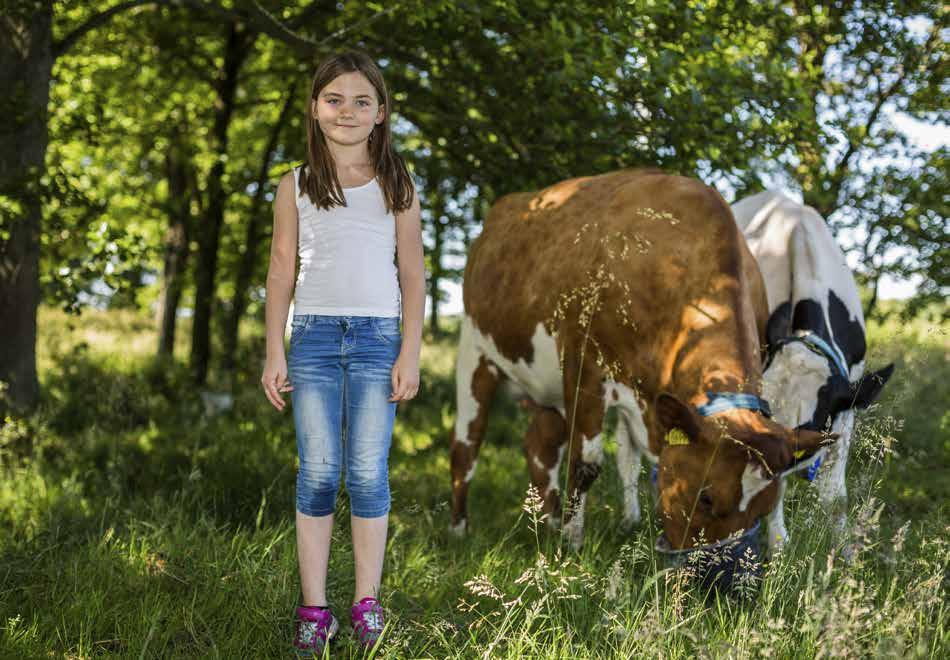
[809, 283]
[796, 251]
[647, 244]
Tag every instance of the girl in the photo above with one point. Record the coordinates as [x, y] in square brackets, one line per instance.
[347, 210]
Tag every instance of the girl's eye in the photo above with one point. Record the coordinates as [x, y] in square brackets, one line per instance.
[335, 101]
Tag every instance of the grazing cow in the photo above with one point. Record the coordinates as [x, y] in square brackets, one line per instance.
[631, 290]
[814, 376]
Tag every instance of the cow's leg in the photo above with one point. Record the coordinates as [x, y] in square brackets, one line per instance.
[584, 409]
[544, 447]
[632, 443]
[832, 490]
[629, 459]
[775, 521]
[476, 380]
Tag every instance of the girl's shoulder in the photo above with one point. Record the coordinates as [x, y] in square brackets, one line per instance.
[292, 178]
[288, 187]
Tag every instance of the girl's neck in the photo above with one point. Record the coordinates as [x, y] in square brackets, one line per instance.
[350, 157]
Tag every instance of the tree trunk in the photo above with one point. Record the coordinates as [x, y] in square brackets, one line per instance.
[209, 231]
[26, 62]
[176, 243]
[872, 301]
[252, 243]
[435, 256]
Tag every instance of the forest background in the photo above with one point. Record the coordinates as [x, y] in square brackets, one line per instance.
[140, 147]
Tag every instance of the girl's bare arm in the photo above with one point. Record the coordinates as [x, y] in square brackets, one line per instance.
[412, 283]
[281, 274]
[412, 277]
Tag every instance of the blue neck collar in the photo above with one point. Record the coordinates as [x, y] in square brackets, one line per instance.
[816, 345]
[720, 402]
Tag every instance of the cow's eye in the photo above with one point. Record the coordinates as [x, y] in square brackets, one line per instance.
[705, 500]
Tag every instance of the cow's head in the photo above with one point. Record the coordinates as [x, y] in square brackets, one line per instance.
[806, 391]
[717, 475]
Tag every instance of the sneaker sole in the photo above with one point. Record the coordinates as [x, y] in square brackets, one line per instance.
[331, 637]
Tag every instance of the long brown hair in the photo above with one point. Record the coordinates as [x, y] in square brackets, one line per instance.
[319, 178]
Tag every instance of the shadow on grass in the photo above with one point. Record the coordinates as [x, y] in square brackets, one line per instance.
[130, 523]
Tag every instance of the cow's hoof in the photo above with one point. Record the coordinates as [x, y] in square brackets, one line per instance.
[777, 541]
[850, 552]
[839, 524]
[631, 521]
[459, 529]
[574, 534]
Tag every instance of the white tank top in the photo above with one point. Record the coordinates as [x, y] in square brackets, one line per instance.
[347, 255]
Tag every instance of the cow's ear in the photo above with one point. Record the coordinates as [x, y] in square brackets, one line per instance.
[803, 443]
[677, 420]
[866, 390]
[779, 325]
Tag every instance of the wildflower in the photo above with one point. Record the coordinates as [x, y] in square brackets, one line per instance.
[482, 586]
[614, 577]
[533, 503]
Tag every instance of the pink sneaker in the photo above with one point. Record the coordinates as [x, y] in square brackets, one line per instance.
[368, 622]
[315, 627]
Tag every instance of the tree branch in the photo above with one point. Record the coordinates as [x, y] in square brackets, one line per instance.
[841, 168]
[309, 12]
[271, 26]
[269, 151]
[265, 22]
[260, 18]
[94, 21]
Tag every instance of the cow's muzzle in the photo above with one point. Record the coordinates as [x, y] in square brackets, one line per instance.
[732, 565]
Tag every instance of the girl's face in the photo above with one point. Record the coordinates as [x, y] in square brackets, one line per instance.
[347, 109]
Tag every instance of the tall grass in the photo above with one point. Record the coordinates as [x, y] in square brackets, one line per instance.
[132, 525]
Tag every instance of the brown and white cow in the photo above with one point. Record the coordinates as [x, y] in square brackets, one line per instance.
[631, 290]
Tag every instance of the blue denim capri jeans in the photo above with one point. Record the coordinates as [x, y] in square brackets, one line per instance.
[341, 371]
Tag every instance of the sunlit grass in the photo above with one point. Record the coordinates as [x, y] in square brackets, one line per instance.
[133, 526]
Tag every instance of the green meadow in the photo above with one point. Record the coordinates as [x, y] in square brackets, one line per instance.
[133, 524]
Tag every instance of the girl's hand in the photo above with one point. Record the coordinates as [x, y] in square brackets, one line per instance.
[405, 378]
[275, 380]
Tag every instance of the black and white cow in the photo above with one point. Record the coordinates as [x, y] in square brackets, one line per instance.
[814, 376]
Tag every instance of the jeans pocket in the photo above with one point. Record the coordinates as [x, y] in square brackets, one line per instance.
[297, 325]
[387, 328]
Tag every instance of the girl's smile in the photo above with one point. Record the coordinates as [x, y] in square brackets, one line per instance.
[347, 109]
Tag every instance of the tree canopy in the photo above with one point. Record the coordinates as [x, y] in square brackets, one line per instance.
[146, 177]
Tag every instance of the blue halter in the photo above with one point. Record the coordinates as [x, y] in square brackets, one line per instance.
[836, 361]
[720, 402]
[816, 344]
